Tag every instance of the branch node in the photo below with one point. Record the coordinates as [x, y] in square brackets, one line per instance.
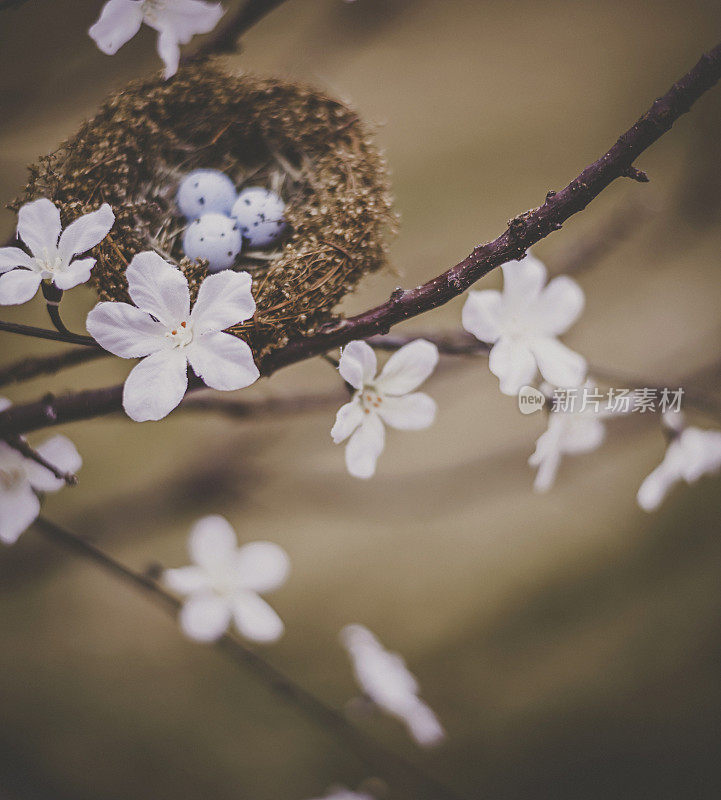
[635, 174]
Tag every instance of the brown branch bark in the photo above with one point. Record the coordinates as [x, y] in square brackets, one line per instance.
[30, 368]
[524, 231]
[402, 773]
[224, 38]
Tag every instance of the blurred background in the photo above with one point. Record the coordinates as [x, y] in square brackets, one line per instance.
[570, 643]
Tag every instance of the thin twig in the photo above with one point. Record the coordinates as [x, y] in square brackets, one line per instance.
[524, 231]
[29, 368]
[19, 444]
[45, 333]
[405, 774]
[224, 37]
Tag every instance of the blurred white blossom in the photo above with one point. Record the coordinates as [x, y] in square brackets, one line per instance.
[162, 330]
[522, 323]
[386, 398]
[692, 453]
[52, 251]
[340, 792]
[176, 22]
[386, 681]
[225, 583]
[569, 432]
[21, 478]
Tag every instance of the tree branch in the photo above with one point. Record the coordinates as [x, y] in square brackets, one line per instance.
[524, 231]
[402, 772]
[30, 368]
[224, 37]
[46, 333]
[19, 444]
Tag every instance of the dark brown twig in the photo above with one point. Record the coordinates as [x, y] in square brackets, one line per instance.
[524, 231]
[44, 333]
[19, 444]
[30, 368]
[224, 38]
[403, 773]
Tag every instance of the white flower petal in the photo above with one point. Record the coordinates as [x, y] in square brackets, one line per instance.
[423, 725]
[4, 404]
[406, 369]
[261, 566]
[558, 307]
[61, 453]
[584, 435]
[39, 226]
[701, 453]
[522, 282]
[558, 364]
[512, 362]
[364, 447]
[655, 487]
[482, 315]
[11, 257]
[205, 617]
[358, 364]
[548, 465]
[125, 330]
[169, 51]
[348, 418]
[85, 232]
[118, 22]
[186, 580]
[413, 412]
[223, 361]
[19, 508]
[255, 619]
[185, 18]
[158, 288]
[78, 272]
[18, 286]
[156, 385]
[212, 542]
[224, 299]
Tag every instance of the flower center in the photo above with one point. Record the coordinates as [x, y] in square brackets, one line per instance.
[49, 262]
[181, 336]
[151, 9]
[371, 399]
[11, 477]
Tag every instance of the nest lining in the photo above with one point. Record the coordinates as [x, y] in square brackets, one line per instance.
[292, 139]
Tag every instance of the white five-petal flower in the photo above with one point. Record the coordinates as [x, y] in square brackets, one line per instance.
[21, 478]
[387, 398]
[225, 583]
[568, 433]
[162, 330]
[386, 681]
[523, 322]
[52, 251]
[176, 21]
[691, 454]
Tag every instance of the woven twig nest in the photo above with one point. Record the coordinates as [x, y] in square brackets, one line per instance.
[308, 147]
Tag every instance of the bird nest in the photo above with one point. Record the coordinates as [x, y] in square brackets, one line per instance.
[311, 149]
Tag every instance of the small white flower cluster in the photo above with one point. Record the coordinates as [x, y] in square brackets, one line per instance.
[223, 586]
[522, 323]
[53, 252]
[176, 22]
[221, 222]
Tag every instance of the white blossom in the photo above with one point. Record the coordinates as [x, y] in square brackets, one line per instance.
[176, 22]
[691, 454]
[225, 583]
[523, 322]
[162, 330]
[569, 432]
[386, 398]
[53, 252]
[21, 478]
[386, 681]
